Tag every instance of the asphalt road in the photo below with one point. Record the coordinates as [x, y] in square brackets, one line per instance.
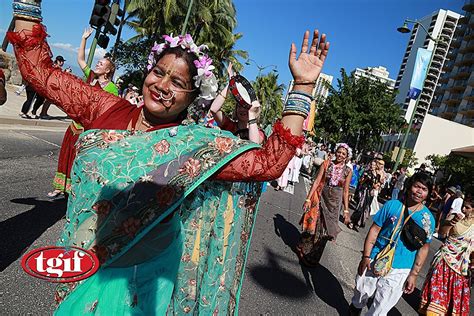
[275, 283]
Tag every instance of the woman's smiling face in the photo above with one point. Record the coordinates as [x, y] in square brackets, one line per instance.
[167, 88]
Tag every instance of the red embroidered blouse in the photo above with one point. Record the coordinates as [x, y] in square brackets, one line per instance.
[94, 108]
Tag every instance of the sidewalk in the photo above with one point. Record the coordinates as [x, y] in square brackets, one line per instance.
[10, 110]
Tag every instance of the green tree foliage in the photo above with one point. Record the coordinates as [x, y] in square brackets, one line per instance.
[357, 112]
[456, 170]
[409, 159]
[211, 22]
[270, 95]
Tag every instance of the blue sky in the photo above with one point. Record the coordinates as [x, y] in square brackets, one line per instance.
[362, 32]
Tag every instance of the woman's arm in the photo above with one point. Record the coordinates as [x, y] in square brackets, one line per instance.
[217, 105]
[448, 224]
[82, 102]
[345, 198]
[81, 54]
[254, 132]
[269, 162]
[263, 164]
[307, 203]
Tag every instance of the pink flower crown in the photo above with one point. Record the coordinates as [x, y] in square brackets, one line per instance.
[345, 146]
[205, 79]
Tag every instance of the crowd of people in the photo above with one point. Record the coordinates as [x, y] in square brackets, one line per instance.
[414, 211]
[163, 186]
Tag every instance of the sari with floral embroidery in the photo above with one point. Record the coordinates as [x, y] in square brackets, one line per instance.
[124, 188]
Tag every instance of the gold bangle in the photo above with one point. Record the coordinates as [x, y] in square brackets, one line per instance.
[307, 200]
[346, 211]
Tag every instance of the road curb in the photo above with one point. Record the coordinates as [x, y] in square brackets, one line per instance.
[32, 122]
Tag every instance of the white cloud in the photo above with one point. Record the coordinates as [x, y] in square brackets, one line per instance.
[66, 46]
[99, 51]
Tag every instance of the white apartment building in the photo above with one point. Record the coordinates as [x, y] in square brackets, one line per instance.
[440, 24]
[454, 99]
[321, 89]
[374, 73]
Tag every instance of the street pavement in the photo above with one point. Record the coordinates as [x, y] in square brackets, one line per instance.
[275, 283]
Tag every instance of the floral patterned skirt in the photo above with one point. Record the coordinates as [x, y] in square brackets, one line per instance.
[445, 292]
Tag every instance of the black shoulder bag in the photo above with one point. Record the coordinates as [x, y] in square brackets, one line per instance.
[412, 235]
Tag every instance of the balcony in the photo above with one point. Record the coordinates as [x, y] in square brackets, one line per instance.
[456, 43]
[467, 109]
[441, 49]
[459, 85]
[468, 35]
[466, 59]
[470, 96]
[448, 66]
[454, 99]
[447, 32]
[470, 46]
[450, 24]
[468, 121]
[461, 73]
[471, 80]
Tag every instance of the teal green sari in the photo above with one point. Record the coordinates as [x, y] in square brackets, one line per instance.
[169, 239]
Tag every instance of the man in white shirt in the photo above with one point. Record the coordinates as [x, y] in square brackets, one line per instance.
[456, 207]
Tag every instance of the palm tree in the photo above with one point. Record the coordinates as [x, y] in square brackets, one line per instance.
[270, 95]
[211, 22]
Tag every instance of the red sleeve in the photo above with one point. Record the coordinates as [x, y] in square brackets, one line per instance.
[264, 164]
[79, 100]
[228, 124]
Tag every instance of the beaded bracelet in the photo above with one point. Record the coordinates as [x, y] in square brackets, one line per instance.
[252, 121]
[27, 10]
[298, 103]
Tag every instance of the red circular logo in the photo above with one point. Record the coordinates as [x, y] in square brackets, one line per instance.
[60, 264]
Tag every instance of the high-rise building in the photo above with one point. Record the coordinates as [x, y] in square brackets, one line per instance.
[440, 24]
[321, 89]
[454, 99]
[374, 73]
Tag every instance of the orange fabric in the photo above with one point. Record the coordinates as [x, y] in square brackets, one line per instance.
[310, 218]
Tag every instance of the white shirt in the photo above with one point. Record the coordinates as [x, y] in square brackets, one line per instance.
[456, 207]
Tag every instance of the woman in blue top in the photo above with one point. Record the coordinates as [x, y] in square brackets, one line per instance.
[407, 262]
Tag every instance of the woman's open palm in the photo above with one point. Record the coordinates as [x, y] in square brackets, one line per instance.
[308, 65]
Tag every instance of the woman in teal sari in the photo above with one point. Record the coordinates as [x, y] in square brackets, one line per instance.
[157, 196]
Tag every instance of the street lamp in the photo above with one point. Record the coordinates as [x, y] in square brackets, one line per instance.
[405, 29]
[260, 68]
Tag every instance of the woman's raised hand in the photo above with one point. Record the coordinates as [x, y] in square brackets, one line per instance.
[308, 65]
[87, 32]
[230, 70]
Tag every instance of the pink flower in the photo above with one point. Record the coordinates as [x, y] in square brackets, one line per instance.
[130, 226]
[173, 41]
[191, 167]
[204, 66]
[162, 147]
[224, 145]
[111, 136]
[102, 207]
